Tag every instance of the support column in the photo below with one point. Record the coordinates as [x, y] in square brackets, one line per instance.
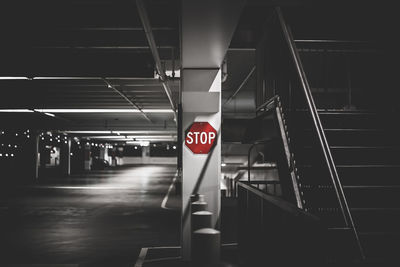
[201, 172]
[145, 154]
[204, 45]
[65, 157]
[87, 161]
[103, 153]
[28, 160]
[35, 153]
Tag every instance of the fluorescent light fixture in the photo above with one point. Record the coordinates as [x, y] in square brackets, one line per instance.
[46, 113]
[13, 78]
[144, 143]
[49, 114]
[72, 110]
[16, 110]
[130, 136]
[166, 139]
[87, 78]
[140, 143]
[156, 139]
[122, 132]
[117, 139]
[65, 78]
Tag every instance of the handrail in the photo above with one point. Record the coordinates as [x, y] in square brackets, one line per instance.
[278, 202]
[319, 129]
[268, 105]
[274, 104]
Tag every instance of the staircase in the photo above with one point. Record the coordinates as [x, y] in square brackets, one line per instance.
[354, 95]
[365, 147]
[343, 90]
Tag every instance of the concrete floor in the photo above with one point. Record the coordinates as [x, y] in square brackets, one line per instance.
[101, 218]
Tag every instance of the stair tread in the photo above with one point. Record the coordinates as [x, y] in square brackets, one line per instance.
[357, 165]
[361, 147]
[375, 209]
[371, 186]
[378, 233]
[352, 129]
[369, 166]
[365, 148]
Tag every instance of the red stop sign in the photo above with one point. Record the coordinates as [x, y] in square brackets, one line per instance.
[200, 137]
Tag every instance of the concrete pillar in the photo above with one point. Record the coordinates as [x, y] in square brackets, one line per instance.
[87, 157]
[145, 154]
[204, 45]
[65, 157]
[28, 160]
[35, 155]
[103, 153]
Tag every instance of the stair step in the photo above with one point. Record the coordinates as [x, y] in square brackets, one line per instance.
[355, 174]
[348, 120]
[381, 244]
[373, 196]
[352, 137]
[357, 196]
[341, 243]
[354, 155]
[370, 219]
[366, 150]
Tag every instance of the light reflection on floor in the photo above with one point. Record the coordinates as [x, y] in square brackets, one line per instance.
[101, 217]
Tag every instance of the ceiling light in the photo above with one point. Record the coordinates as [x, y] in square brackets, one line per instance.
[49, 114]
[140, 143]
[131, 136]
[72, 110]
[148, 132]
[16, 110]
[13, 78]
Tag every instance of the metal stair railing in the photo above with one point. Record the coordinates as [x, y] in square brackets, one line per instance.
[345, 210]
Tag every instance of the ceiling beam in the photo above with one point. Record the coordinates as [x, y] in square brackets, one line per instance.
[153, 47]
[109, 85]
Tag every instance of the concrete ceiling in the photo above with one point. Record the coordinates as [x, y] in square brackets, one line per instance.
[61, 51]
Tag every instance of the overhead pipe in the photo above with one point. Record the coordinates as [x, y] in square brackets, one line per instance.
[240, 86]
[153, 47]
[109, 85]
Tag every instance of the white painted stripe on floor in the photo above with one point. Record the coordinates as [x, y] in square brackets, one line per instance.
[142, 257]
[169, 247]
[164, 259]
[229, 245]
[165, 200]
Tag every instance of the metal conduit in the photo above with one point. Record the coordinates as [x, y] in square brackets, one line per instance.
[153, 47]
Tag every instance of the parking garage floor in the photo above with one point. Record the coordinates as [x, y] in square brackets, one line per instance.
[101, 218]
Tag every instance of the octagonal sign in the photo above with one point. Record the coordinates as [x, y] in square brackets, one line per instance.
[200, 137]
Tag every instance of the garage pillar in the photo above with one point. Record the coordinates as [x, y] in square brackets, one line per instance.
[34, 151]
[87, 157]
[103, 153]
[207, 29]
[65, 157]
